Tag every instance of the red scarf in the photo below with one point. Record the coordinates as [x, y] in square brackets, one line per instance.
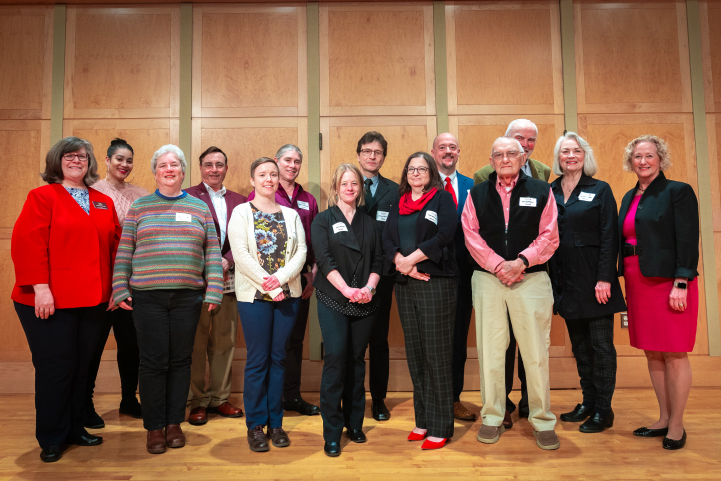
[408, 206]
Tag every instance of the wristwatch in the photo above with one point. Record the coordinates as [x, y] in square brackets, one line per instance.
[523, 258]
[372, 289]
[680, 285]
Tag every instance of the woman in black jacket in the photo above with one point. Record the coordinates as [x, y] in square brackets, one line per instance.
[419, 239]
[349, 256]
[659, 238]
[586, 290]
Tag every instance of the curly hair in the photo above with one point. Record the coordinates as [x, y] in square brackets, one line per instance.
[661, 149]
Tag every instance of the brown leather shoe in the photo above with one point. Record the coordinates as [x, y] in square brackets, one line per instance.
[490, 434]
[257, 441]
[156, 442]
[279, 437]
[507, 421]
[174, 436]
[198, 416]
[227, 410]
[547, 439]
[462, 413]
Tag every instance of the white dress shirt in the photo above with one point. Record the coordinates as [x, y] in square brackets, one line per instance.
[454, 181]
[221, 210]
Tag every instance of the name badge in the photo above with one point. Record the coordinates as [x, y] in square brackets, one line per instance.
[100, 205]
[586, 196]
[432, 216]
[180, 217]
[527, 202]
[339, 227]
[381, 216]
[303, 205]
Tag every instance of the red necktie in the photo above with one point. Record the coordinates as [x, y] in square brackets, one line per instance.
[449, 188]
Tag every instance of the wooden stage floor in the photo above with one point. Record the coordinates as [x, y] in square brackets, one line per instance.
[218, 450]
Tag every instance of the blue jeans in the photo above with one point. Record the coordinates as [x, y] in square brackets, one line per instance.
[266, 326]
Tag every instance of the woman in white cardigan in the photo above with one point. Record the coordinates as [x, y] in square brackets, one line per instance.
[268, 244]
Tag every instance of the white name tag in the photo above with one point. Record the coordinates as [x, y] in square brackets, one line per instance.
[180, 217]
[527, 202]
[381, 216]
[432, 216]
[339, 227]
[586, 196]
[303, 205]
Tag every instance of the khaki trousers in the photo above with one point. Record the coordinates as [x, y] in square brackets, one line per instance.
[529, 305]
[215, 337]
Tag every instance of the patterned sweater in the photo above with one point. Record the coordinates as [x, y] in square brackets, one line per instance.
[168, 243]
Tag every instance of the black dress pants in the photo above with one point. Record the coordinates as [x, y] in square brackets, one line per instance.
[62, 347]
[464, 310]
[128, 355]
[342, 387]
[510, 361]
[378, 350]
[294, 349]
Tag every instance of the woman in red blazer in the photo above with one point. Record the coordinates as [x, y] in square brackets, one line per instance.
[63, 247]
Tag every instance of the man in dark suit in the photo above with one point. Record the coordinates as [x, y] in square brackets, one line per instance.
[446, 153]
[217, 329]
[526, 133]
[380, 195]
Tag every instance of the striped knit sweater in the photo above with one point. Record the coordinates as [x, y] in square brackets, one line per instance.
[168, 243]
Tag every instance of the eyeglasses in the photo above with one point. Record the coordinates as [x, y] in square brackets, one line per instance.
[449, 148]
[420, 170]
[71, 156]
[511, 154]
[368, 152]
[217, 165]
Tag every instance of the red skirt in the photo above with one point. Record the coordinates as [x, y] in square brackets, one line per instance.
[652, 324]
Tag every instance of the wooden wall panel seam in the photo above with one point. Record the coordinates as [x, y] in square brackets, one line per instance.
[441, 71]
[568, 49]
[58, 76]
[703, 176]
[185, 92]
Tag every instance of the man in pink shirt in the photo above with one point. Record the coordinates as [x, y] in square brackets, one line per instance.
[509, 222]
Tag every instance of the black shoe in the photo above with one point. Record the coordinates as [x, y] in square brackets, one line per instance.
[597, 423]
[51, 454]
[332, 449]
[645, 432]
[357, 435]
[87, 440]
[131, 408]
[579, 413]
[380, 411]
[301, 407]
[93, 420]
[675, 443]
[257, 441]
[523, 413]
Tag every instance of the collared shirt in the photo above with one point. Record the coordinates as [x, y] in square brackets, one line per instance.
[540, 250]
[221, 209]
[454, 180]
[374, 183]
[526, 168]
[307, 208]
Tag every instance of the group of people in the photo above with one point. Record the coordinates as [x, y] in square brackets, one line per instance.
[172, 272]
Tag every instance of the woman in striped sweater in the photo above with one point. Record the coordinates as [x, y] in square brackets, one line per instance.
[170, 258]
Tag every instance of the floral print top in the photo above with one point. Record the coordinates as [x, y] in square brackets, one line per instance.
[271, 239]
[81, 196]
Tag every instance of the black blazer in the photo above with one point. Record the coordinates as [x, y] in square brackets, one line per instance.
[588, 250]
[435, 239]
[341, 250]
[667, 229]
[385, 198]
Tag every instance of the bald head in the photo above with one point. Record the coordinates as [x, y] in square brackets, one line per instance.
[446, 153]
[524, 131]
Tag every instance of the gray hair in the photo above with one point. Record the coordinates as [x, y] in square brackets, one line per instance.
[590, 167]
[287, 148]
[515, 124]
[505, 137]
[168, 149]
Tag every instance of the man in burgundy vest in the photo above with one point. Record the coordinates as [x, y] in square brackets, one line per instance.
[217, 329]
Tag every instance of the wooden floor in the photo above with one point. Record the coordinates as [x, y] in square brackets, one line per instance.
[219, 450]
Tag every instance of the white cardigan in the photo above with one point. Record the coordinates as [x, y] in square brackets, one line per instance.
[248, 272]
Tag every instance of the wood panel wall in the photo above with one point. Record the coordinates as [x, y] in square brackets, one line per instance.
[377, 72]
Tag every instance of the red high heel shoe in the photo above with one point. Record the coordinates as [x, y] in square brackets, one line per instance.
[417, 437]
[428, 444]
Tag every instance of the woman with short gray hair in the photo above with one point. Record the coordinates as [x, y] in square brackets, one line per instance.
[586, 291]
[169, 257]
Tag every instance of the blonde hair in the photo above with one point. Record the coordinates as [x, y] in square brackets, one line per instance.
[335, 182]
[661, 149]
[590, 167]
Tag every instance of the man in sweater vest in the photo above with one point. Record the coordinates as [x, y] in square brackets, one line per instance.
[510, 228]
[218, 329]
[525, 132]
